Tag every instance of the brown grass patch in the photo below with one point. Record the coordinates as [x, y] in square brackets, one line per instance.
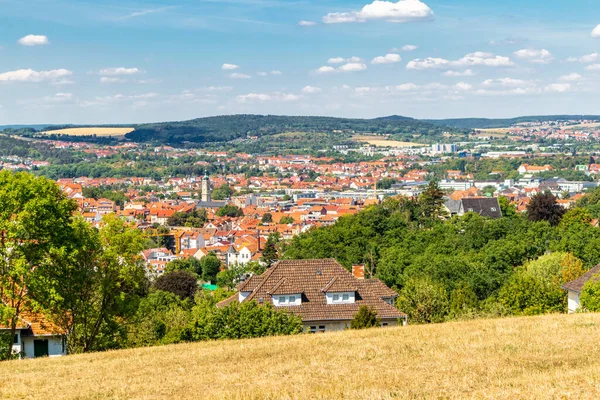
[553, 356]
[383, 141]
[98, 131]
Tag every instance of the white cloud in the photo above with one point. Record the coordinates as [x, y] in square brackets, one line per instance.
[593, 67]
[401, 11]
[218, 88]
[427, 63]
[325, 70]
[507, 82]
[311, 89]
[405, 87]
[348, 67]
[389, 58]
[29, 75]
[542, 56]
[262, 97]
[558, 87]
[484, 59]
[466, 72]
[107, 79]
[463, 87]
[478, 58]
[352, 67]
[237, 75]
[229, 67]
[268, 73]
[409, 47]
[339, 60]
[596, 32]
[33, 40]
[307, 23]
[119, 71]
[588, 58]
[570, 77]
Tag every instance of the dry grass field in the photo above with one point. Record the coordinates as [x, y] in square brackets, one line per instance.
[548, 357]
[382, 141]
[90, 131]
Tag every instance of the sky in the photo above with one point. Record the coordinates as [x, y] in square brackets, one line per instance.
[109, 62]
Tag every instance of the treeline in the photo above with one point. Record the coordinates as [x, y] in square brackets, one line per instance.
[483, 123]
[10, 146]
[230, 127]
[464, 266]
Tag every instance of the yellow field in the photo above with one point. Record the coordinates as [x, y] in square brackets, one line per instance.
[382, 141]
[555, 356]
[99, 131]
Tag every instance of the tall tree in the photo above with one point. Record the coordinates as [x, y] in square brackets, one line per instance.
[35, 233]
[432, 203]
[270, 253]
[211, 265]
[101, 285]
[543, 207]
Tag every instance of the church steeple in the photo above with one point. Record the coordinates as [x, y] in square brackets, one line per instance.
[206, 189]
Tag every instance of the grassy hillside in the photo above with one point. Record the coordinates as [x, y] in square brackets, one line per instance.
[230, 127]
[554, 356]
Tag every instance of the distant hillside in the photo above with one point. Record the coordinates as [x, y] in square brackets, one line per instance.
[484, 123]
[553, 356]
[230, 127]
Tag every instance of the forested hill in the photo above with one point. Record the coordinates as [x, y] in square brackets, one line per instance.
[230, 127]
[483, 123]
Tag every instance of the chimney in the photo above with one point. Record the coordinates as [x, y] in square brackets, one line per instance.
[358, 271]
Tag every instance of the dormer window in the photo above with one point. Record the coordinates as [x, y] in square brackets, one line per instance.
[340, 298]
[287, 300]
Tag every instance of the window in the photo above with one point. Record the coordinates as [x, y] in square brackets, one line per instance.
[292, 299]
[384, 324]
[345, 297]
[336, 297]
[322, 329]
[313, 329]
[282, 299]
[494, 209]
[16, 339]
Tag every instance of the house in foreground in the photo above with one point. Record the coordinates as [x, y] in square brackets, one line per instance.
[322, 292]
[575, 287]
[36, 336]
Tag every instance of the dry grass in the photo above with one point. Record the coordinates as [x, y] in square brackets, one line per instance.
[98, 131]
[382, 141]
[554, 356]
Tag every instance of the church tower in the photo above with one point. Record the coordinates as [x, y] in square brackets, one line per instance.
[205, 189]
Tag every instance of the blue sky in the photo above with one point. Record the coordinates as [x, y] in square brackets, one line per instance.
[140, 61]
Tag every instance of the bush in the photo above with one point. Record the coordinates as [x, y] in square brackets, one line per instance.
[590, 295]
[181, 283]
[423, 300]
[365, 318]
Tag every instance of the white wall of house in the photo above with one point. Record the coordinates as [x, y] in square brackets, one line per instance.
[334, 326]
[17, 345]
[573, 302]
[287, 300]
[55, 345]
[340, 298]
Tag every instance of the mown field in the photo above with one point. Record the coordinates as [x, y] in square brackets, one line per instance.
[90, 131]
[554, 356]
[382, 141]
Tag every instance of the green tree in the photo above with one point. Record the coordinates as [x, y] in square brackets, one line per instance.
[423, 300]
[240, 321]
[230, 211]
[543, 207]
[211, 265]
[590, 295]
[222, 192]
[431, 202]
[35, 238]
[365, 318]
[190, 264]
[181, 283]
[508, 209]
[270, 254]
[103, 285]
[267, 218]
[161, 318]
[286, 220]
